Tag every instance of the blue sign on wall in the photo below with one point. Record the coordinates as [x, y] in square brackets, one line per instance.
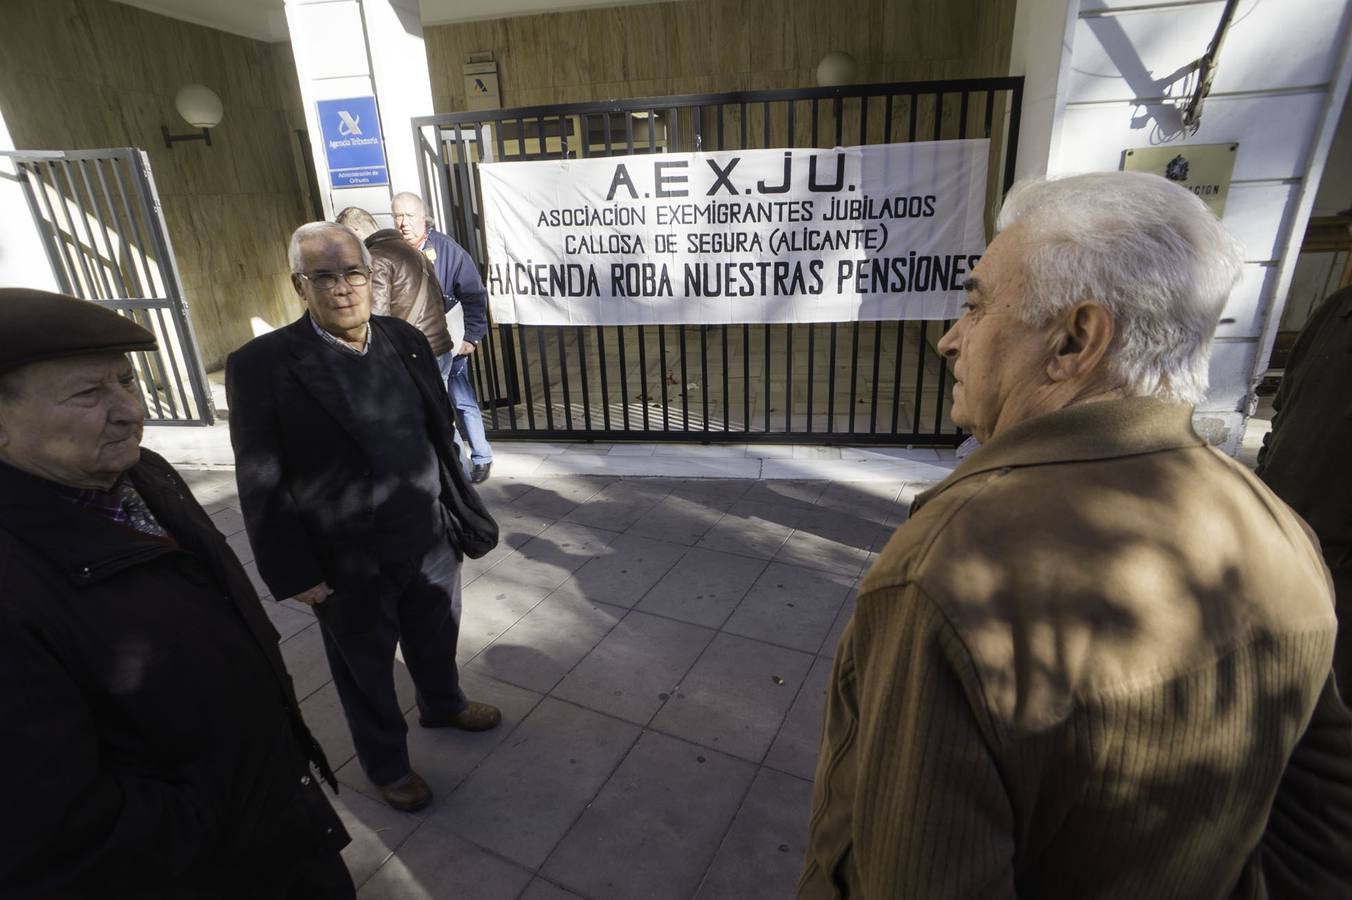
[352, 142]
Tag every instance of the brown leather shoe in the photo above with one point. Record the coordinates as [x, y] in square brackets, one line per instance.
[408, 794]
[475, 717]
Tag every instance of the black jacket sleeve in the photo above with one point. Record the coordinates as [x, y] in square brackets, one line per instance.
[70, 823]
[286, 558]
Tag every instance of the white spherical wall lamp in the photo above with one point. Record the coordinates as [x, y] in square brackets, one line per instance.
[201, 108]
[836, 68]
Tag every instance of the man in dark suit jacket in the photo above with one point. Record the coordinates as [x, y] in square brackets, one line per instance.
[354, 500]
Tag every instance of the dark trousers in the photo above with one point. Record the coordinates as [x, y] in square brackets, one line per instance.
[419, 609]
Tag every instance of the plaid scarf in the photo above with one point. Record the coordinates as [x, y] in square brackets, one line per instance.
[123, 504]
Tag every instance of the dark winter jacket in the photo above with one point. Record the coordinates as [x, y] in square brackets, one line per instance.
[150, 740]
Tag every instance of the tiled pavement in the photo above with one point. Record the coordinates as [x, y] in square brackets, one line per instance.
[659, 648]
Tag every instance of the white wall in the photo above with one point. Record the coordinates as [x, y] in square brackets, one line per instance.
[1280, 83]
[356, 48]
[23, 262]
[1040, 51]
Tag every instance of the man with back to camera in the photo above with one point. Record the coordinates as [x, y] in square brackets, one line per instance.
[150, 738]
[460, 283]
[403, 282]
[354, 500]
[1095, 661]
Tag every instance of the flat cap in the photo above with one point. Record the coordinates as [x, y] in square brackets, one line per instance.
[39, 325]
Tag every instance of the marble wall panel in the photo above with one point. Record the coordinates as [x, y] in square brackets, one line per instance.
[82, 74]
[702, 46]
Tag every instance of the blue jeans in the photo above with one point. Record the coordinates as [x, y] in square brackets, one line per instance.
[470, 421]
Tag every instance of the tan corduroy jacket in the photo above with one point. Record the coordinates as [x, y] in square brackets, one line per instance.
[1079, 670]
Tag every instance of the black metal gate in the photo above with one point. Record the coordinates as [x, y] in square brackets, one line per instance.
[838, 382]
[99, 216]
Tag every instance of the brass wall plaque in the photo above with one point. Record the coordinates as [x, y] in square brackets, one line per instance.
[1204, 169]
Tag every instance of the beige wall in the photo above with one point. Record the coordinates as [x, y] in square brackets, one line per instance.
[700, 46]
[77, 74]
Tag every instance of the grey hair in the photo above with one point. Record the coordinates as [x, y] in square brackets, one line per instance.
[358, 220]
[1145, 248]
[311, 230]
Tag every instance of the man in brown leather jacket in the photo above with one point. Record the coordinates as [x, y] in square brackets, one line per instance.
[403, 282]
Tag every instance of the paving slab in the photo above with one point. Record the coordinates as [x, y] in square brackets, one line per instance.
[635, 669]
[526, 796]
[798, 744]
[239, 542]
[752, 528]
[493, 603]
[762, 854]
[228, 520]
[790, 606]
[735, 697]
[832, 639]
[546, 642]
[619, 505]
[786, 491]
[814, 551]
[622, 573]
[251, 569]
[304, 656]
[500, 490]
[703, 588]
[517, 525]
[663, 813]
[557, 497]
[436, 864]
[324, 715]
[682, 520]
[873, 499]
[540, 889]
[376, 830]
[565, 546]
[286, 620]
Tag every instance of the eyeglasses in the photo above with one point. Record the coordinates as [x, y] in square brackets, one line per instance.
[325, 281]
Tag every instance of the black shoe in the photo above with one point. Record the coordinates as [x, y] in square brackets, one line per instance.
[479, 474]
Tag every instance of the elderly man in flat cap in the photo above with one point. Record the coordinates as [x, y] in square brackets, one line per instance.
[1096, 661]
[150, 741]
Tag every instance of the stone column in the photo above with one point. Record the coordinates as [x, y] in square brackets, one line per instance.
[358, 49]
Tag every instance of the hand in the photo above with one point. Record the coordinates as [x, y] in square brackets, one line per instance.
[465, 348]
[315, 595]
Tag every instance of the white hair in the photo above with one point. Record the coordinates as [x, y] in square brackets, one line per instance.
[311, 230]
[1145, 248]
[409, 195]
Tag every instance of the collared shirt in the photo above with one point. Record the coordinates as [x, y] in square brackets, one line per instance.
[339, 342]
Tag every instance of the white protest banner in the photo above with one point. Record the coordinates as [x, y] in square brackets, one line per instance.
[879, 232]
